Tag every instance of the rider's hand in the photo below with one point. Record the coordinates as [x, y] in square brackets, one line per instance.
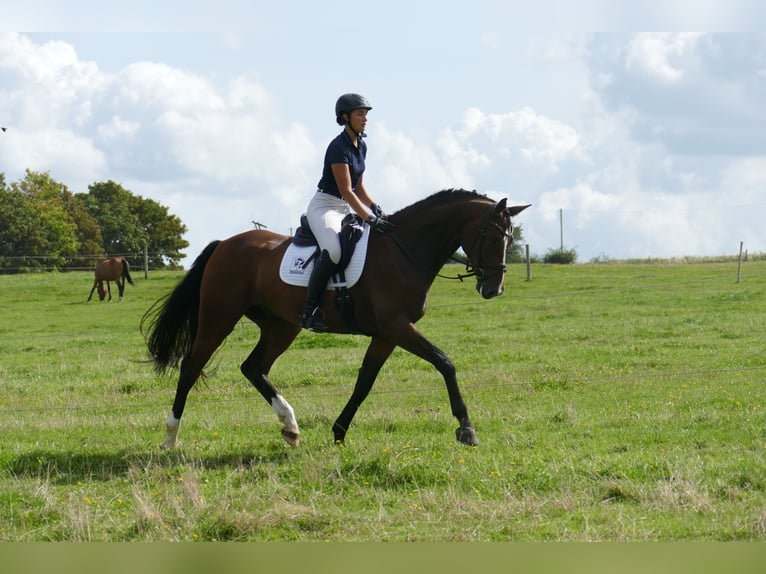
[377, 210]
[380, 224]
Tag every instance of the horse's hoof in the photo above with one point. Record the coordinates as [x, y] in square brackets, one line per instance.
[292, 438]
[167, 446]
[339, 434]
[467, 435]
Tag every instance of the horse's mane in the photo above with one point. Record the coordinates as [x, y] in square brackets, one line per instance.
[440, 198]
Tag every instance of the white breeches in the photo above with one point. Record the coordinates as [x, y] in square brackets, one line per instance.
[325, 214]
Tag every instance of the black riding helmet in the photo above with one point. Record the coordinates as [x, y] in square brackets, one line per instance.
[348, 102]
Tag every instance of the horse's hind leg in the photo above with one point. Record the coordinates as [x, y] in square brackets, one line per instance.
[190, 372]
[120, 286]
[205, 344]
[276, 337]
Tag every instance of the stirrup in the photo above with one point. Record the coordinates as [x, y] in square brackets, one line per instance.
[313, 321]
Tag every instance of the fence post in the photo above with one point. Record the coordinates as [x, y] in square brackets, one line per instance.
[146, 262]
[529, 267]
[739, 265]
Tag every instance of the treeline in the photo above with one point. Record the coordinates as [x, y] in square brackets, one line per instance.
[41, 217]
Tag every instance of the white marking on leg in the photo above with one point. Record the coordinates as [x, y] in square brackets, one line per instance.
[172, 427]
[285, 413]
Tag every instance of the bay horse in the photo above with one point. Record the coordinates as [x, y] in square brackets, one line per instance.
[115, 269]
[240, 277]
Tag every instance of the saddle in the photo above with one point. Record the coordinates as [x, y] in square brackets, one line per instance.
[353, 231]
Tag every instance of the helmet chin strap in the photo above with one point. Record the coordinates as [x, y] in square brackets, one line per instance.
[360, 135]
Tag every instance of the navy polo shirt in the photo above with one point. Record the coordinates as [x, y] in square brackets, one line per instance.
[342, 150]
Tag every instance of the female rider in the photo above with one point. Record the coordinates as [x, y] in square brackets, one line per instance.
[340, 191]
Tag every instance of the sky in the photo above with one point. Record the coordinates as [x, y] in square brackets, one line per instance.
[643, 144]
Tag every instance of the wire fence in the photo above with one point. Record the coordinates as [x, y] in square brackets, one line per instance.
[246, 324]
[48, 263]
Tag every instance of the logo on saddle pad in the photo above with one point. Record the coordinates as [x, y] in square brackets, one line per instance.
[295, 271]
[298, 266]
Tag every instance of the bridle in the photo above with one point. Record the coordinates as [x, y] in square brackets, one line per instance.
[472, 270]
[477, 269]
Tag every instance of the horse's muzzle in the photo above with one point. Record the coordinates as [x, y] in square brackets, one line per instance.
[489, 291]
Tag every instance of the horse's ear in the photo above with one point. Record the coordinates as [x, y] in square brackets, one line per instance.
[516, 209]
[500, 206]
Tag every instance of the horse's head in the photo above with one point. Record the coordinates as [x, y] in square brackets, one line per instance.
[101, 291]
[486, 252]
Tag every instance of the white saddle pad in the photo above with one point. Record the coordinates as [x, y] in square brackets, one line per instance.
[292, 270]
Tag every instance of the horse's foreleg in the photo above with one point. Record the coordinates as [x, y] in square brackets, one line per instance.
[92, 289]
[109, 289]
[414, 342]
[276, 337]
[377, 352]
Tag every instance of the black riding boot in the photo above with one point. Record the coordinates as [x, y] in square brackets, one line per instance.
[312, 317]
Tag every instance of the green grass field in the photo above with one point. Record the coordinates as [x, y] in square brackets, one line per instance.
[613, 402]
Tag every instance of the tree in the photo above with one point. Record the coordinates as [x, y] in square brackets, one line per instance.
[87, 232]
[109, 204]
[14, 213]
[35, 222]
[44, 223]
[130, 223]
[164, 231]
[515, 253]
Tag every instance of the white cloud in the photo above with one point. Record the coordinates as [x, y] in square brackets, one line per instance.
[151, 85]
[117, 128]
[483, 141]
[655, 53]
[61, 152]
[402, 170]
[583, 198]
[639, 223]
[47, 86]
[748, 175]
[649, 159]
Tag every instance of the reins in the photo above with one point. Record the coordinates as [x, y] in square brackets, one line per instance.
[471, 269]
[481, 234]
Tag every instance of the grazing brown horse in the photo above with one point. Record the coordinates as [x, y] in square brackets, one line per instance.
[240, 277]
[115, 269]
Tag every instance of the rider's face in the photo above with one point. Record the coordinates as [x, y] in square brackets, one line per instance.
[358, 120]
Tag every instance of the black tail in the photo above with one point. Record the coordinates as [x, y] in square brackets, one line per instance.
[172, 320]
[126, 271]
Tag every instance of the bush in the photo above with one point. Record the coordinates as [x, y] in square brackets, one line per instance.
[560, 256]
